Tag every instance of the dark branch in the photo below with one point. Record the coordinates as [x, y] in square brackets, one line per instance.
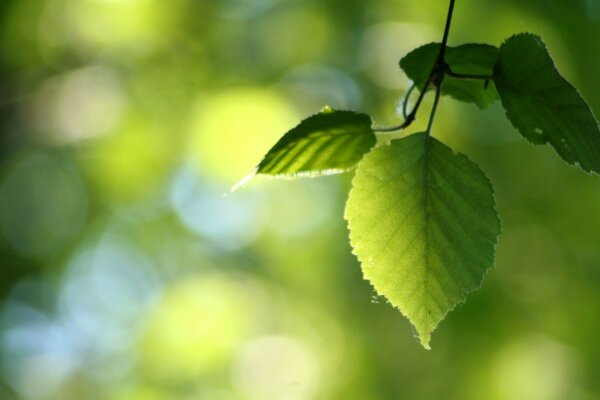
[442, 53]
[436, 77]
[406, 99]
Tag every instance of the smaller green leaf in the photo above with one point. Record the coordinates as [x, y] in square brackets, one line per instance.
[330, 142]
[542, 105]
[469, 58]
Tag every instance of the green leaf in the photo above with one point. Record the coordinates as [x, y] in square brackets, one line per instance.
[326, 143]
[465, 59]
[423, 224]
[542, 105]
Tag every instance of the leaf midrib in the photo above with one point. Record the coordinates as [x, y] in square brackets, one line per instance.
[425, 200]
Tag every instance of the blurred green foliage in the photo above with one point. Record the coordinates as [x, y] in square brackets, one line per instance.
[130, 271]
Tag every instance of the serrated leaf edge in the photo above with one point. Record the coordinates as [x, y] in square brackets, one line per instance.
[464, 293]
[540, 42]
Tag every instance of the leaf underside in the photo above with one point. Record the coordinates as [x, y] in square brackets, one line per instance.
[329, 142]
[543, 105]
[471, 58]
[423, 224]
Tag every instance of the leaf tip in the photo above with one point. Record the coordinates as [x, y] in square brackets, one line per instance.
[244, 180]
[423, 333]
[425, 340]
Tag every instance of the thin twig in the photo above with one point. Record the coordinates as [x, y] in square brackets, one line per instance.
[436, 77]
[411, 117]
[406, 99]
[472, 77]
[446, 32]
[438, 92]
[439, 69]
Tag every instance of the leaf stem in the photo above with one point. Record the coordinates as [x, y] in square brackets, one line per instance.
[438, 92]
[405, 101]
[440, 68]
[457, 75]
[411, 117]
[436, 77]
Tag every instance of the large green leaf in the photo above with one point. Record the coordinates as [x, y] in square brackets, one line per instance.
[542, 105]
[329, 142]
[423, 224]
[465, 59]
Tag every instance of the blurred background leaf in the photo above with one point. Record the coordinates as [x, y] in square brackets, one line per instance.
[130, 272]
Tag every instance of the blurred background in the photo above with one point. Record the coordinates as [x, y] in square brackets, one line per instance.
[130, 272]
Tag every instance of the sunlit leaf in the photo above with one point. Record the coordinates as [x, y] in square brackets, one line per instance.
[423, 224]
[542, 105]
[465, 59]
[329, 142]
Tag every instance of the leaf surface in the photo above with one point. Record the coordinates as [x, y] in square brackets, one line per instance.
[471, 58]
[329, 142]
[543, 105]
[423, 225]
